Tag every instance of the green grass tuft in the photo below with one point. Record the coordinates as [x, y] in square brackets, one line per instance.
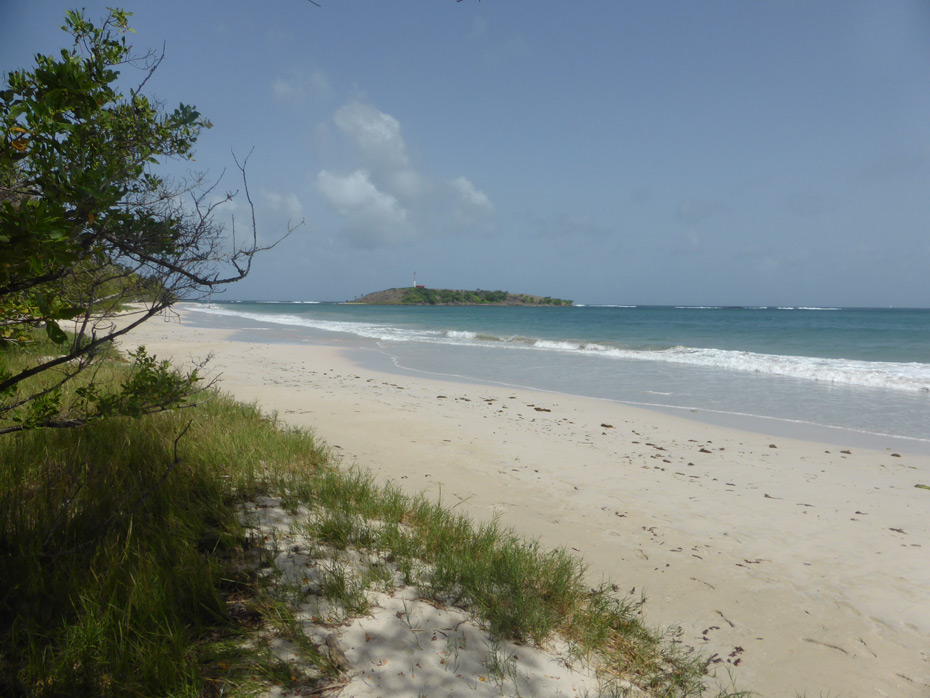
[115, 557]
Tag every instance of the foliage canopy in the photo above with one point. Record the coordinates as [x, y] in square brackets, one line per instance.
[87, 223]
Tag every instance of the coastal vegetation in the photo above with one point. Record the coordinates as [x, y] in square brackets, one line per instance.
[87, 222]
[127, 566]
[418, 295]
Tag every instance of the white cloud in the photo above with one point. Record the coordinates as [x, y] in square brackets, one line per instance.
[407, 184]
[470, 196]
[384, 198]
[472, 207]
[355, 193]
[375, 134]
[288, 204]
[371, 214]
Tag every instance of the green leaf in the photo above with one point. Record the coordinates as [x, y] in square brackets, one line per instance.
[68, 313]
[55, 333]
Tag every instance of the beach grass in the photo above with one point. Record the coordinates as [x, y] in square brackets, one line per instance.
[126, 568]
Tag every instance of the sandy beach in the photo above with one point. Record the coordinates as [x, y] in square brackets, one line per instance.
[801, 568]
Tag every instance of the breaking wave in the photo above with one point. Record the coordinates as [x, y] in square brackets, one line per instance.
[913, 377]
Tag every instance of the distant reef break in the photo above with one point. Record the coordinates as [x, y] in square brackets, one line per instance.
[418, 295]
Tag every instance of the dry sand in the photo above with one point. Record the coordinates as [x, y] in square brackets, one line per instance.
[403, 646]
[802, 568]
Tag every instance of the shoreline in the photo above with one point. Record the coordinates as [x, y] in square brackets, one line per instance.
[880, 420]
[793, 564]
[776, 427]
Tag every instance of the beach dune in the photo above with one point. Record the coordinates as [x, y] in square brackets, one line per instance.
[797, 568]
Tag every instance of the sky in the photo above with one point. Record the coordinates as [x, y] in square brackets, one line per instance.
[715, 152]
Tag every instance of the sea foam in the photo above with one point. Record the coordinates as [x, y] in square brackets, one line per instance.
[912, 377]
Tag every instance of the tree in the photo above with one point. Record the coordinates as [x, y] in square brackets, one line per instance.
[88, 224]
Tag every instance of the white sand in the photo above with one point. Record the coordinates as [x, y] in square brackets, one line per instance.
[405, 647]
[803, 569]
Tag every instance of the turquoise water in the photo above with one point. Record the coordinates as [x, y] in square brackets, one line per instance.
[863, 371]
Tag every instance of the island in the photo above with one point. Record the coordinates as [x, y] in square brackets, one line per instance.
[420, 295]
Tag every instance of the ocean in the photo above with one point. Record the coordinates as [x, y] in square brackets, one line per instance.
[854, 376]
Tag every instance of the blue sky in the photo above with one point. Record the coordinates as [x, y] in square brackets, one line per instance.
[680, 152]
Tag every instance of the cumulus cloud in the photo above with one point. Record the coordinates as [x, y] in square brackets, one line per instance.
[467, 192]
[287, 204]
[375, 134]
[471, 205]
[354, 193]
[382, 198]
[407, 183]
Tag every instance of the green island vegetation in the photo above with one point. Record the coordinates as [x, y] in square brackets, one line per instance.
[129, 564]
[442, 296]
